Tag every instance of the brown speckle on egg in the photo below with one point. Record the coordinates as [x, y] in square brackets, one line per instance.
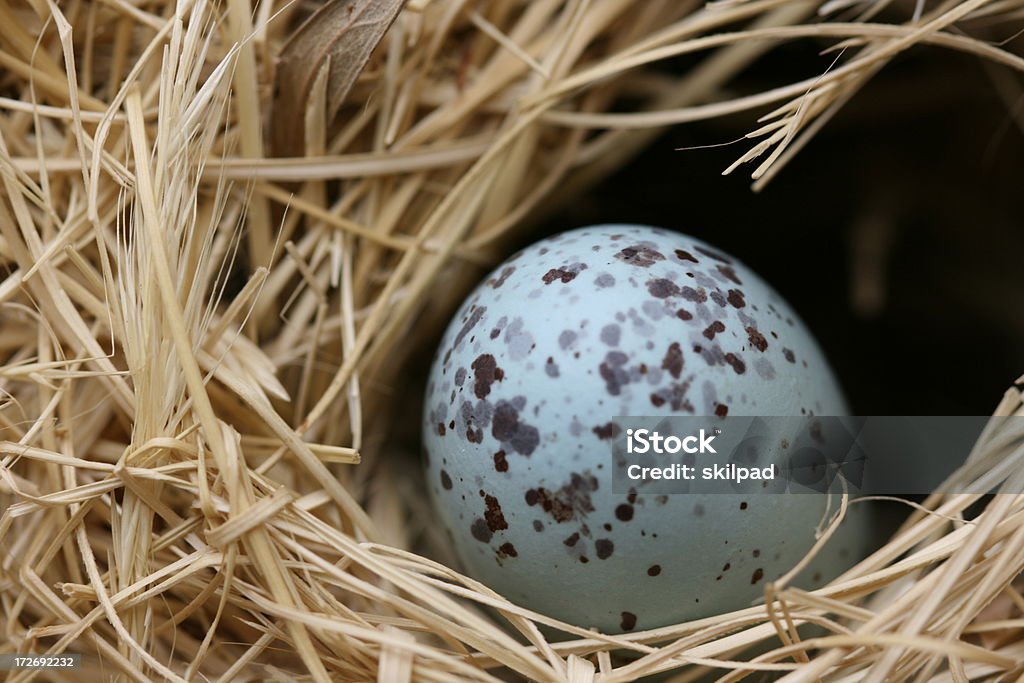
[639, 255]
[611, 334]
[565, 275]
[684, 255]
[713, 329]
[736, 362]
[493, 515]
[474, 317]
[613, 372]
[480, 530]
[570, 501]
[735, 298]
[729, 274]
[628, 621]
[662, 288]
[506, 427]
[506, 272]
[673, 360]
[756, 339]
[500, 462]
[487, 373]
[698, 295]
[624, 512]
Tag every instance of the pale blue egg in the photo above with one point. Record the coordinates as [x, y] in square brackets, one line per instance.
[583, 326]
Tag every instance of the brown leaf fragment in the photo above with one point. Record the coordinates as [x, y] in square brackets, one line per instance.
[339, 37]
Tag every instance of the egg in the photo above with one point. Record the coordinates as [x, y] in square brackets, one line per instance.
[618, 320]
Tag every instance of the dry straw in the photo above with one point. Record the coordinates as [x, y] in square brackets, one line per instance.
[221, 237]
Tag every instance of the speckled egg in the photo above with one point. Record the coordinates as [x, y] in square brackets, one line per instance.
[583, 326]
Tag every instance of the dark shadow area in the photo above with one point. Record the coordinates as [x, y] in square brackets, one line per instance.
[896, 233]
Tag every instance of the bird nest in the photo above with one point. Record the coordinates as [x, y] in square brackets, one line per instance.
[228, 231]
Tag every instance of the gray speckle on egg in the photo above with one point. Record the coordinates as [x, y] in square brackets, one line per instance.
[570, 332]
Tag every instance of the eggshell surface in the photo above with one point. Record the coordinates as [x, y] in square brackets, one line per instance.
[576, 329]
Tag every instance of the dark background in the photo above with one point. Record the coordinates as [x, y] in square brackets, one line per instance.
[928, 158]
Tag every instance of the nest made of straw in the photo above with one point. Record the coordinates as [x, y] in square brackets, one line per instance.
[222, 230]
